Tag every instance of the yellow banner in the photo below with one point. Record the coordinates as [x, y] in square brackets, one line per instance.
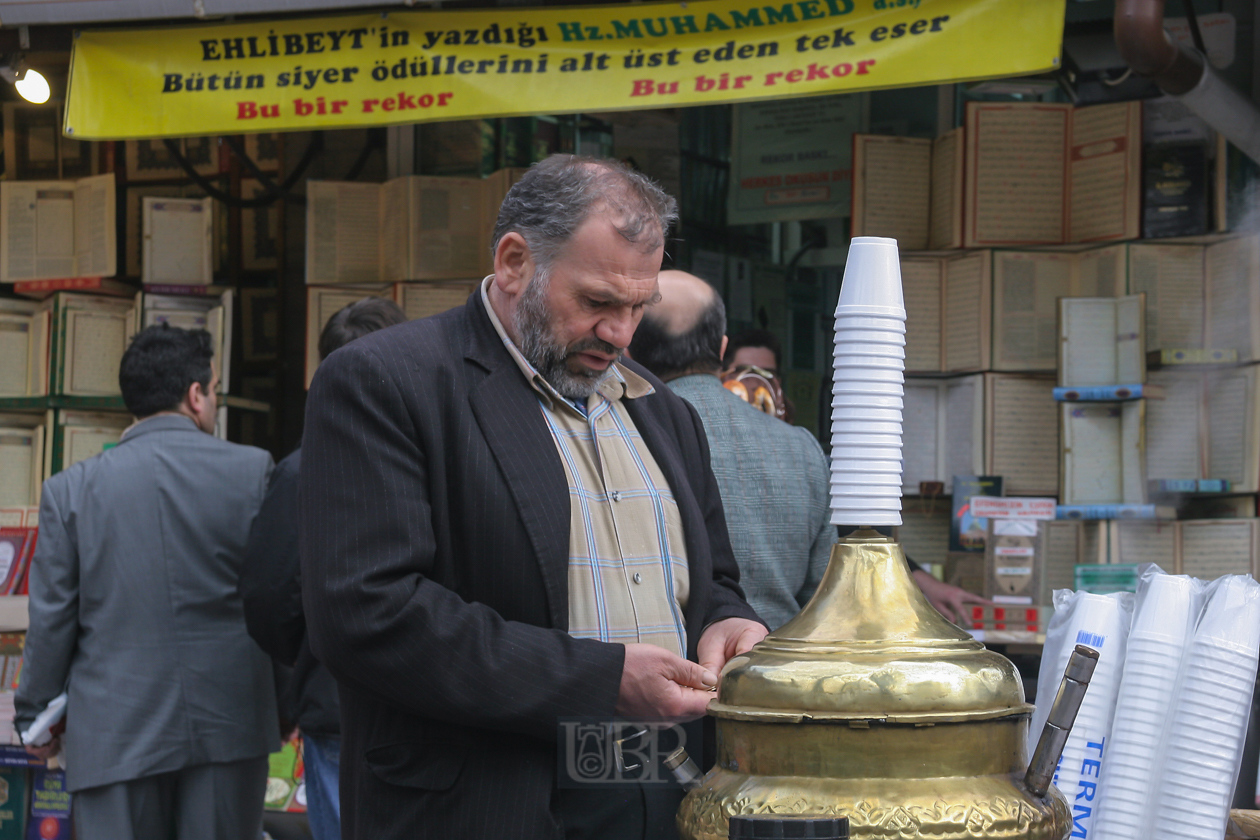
[413, 66]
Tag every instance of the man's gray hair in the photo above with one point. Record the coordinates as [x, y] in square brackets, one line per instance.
[556, 195]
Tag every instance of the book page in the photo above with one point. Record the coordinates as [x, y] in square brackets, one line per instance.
[396, 211]
[964, 428]
[15, 341]
[1231, 436]
[1130, 343]
[1092, 472]
[95, 232]
[95, 342]
[895, 184]
[1088, 341]
[178, 238]
[1232, 293]
[447, 231]
[1133, 452]
[967, 312]
[1171, 277]
[343, 229]
[1015, 173]
[1174, 440]
[1060, 553]
[1100, 272]
[1210, 548]
[83, 442]
[37, 359]
[945, 222]
[17, 456]
[921, 289]
[1146, 542]
[1022, 431]
[920, 440]
[924, 534]
[1026, 289]
[1105, 172]
[420, 300]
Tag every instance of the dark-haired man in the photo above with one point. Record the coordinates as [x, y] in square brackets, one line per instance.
[505, 526]
[271, 588]
[774, 479]
[134, 613]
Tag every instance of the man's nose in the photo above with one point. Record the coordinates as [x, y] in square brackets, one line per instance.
[617, 330]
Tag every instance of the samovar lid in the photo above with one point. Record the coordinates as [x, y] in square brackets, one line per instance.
[869, 647]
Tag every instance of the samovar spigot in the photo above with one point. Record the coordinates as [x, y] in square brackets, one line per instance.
[1054, 734]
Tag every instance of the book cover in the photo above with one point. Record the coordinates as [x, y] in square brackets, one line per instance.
[967, 532]
[50, 806]
[1115, 512]
[1108, 393]
[12, 803]
[1175, 190]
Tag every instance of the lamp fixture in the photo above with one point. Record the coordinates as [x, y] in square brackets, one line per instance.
[31, 84]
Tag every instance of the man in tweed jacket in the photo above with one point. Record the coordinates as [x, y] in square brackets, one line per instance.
[773, 477]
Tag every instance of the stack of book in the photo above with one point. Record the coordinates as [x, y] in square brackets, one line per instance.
[421, 241]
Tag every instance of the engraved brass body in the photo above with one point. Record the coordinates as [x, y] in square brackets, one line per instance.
[870, 705]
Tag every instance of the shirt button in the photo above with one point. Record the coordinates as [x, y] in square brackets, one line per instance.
[638, 578]
[616, 495]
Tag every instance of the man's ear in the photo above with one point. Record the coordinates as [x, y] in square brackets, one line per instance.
[513, 264]
[722, 353]
[195, 398]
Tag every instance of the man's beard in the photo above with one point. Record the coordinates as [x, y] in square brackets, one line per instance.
[549, 356]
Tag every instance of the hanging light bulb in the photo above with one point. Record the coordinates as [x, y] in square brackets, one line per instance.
[30, 84]
[33, 87]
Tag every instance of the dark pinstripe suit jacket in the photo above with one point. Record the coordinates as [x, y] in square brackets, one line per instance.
[435, 563]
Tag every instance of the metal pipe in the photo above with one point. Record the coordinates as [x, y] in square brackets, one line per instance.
[1054, 735]
[684, 769]
[1184, 73]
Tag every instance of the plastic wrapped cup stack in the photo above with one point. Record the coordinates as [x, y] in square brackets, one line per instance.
[1161, 630]
[867, 390]
[1209, 715]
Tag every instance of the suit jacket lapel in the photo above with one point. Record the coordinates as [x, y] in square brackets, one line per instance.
[507, 410]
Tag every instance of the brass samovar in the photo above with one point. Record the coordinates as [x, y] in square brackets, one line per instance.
[870, 705]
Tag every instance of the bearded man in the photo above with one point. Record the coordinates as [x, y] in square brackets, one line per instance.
[507, 526]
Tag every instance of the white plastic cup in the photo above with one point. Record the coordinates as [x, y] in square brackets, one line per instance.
[892, 389]
[856, 360]
[882, 349]
[866, 401]
[854, 376]
[872, 277]
[840, 427]
[891, 323]
[865, 335]
[866, 454]
[859, 439]
[887, 415]
[866, 479]
[884, 467]
[865, 491]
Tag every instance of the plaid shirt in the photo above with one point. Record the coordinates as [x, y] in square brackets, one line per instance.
[628, 578]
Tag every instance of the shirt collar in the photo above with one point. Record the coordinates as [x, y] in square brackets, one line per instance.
[624, 383]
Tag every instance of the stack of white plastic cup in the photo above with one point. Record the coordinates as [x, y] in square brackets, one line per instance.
[1153, 656]
[1209, 718]
[867, 391]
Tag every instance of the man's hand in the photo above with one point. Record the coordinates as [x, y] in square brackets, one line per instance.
[950, 601]
[45, 751]
[659, 685]
[723, 640]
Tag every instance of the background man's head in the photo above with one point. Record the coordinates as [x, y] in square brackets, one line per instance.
[577, 249]
[685, 331]
[355, 320]
[759, 348]
[168, 369]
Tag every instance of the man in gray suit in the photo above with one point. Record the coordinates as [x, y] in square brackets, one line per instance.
[774, 478]
[134, 613]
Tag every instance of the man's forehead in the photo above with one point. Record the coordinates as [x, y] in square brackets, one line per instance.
[634, 288]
